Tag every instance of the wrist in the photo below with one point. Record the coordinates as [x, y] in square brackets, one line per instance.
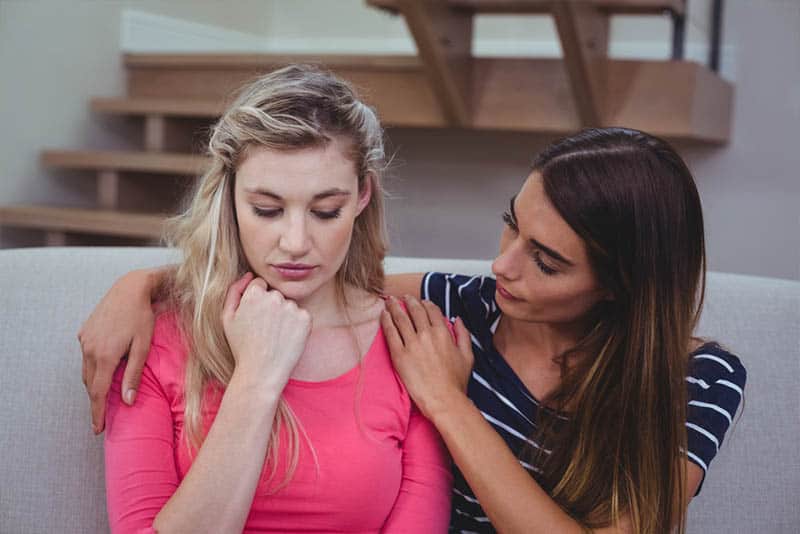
[252, 385]
[447, 406]
[137, 284]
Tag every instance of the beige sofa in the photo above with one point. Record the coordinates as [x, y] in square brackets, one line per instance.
[51, 467]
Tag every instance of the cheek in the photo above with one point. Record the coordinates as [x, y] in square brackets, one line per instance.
[561, 300]
[257, 238]
[333, 239]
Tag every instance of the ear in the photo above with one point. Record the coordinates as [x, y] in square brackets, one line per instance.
[365, 194]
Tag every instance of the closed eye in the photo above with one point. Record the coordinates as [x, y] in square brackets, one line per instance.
[326, 215]
[535, 254]
[510, 222]
[271, 213]
[268, 213]
[546, 269]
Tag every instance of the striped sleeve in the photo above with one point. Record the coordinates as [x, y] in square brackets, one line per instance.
[468, 297]
[716, 388]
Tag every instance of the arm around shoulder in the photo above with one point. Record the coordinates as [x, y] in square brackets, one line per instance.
[398, 285]
[120, 324]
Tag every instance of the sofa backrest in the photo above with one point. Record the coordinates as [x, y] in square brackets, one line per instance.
[51, 466]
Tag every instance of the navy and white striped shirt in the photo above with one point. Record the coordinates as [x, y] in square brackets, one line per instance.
[715, 387]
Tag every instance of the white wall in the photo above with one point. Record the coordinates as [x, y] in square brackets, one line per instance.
[452, 185]
[750, 189]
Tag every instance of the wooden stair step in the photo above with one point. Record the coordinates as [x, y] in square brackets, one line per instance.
[535, 7]
[264, 62]
[84, 221]
[120, 160]
[672, 99]
[167, 107]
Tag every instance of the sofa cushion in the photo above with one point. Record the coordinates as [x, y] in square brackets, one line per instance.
[52, 465]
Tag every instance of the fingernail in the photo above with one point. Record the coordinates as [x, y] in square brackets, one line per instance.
[130, 395]
[94, 428]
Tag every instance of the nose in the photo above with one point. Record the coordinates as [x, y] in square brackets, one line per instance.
[506, 264]
[295, 239]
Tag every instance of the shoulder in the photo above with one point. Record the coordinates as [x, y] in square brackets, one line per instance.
[711, 363]
[463, 284]
[378, 369]
[460, 295]
[168, 352]
[383, 394]
[162, 374]
[715, 383]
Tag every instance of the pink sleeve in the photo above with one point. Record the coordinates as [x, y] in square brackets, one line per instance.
[423, 504]
[141, 474]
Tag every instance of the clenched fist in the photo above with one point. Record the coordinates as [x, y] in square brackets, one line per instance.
[266, 332]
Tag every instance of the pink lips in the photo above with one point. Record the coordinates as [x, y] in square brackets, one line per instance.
[505, 294]
[294, 271]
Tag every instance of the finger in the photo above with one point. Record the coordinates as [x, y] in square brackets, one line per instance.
[98, 393]
[234, 294]
[90, 365]
[435, 316]
[85, 369]
[401, 320]
[258, 284]
[463, 339]
[417, 313]
[393, 339]
[137, 356]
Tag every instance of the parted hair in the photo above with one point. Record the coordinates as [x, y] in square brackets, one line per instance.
[633, 201]
[298, 106]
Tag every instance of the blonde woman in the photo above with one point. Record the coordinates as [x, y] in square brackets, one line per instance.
[268, 402]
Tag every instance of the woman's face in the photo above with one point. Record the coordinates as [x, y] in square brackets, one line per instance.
[543, 272]
[296, 210]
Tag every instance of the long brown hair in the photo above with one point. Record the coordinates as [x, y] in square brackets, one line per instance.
[633, 201]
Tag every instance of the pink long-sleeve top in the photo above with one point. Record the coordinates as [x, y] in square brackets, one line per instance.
[380, 465]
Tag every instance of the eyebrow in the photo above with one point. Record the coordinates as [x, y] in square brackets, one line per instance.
[333, 192]
[544, 248]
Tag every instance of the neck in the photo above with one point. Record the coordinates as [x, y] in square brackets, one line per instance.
[539, 340]
[327, 309]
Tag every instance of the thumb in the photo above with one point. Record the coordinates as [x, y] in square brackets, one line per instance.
[463, 338]
[234, 294]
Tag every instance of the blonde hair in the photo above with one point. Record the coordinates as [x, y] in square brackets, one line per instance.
[294, 107]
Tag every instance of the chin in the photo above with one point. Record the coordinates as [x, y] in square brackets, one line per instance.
[292, 290]
[516, 310]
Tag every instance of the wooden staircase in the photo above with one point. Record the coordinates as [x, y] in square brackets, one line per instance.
[176, 97]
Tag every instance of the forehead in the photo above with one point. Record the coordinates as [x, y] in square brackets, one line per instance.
[538, 219]
[297, 172]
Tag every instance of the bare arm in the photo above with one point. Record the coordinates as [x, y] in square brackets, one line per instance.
[398, 285]
[511, 498]
[120, 324]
